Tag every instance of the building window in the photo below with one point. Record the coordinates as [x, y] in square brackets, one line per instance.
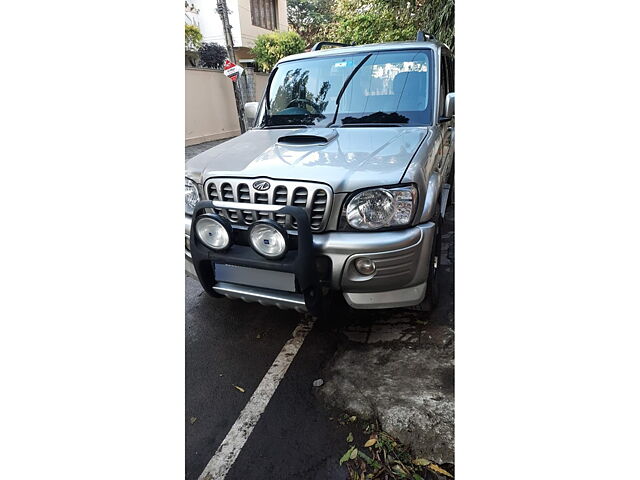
[263, 14]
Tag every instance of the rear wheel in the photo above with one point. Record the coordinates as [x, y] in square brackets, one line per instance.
[451, 181]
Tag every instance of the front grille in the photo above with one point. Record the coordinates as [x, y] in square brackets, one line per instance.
[315, 198]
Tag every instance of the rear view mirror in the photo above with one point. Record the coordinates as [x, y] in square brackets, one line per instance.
[250, 111]
[450, 105]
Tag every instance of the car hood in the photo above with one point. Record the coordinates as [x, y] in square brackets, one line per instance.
[344, 158]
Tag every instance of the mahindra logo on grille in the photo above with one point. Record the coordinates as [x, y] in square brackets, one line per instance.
[261, 186]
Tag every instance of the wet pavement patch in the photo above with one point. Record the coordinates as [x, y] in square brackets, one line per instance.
[409, 390]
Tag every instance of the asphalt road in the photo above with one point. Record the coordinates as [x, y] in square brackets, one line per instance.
[231, 343]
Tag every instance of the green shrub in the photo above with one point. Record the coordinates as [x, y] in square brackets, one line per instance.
[271, 47]
[192, 38]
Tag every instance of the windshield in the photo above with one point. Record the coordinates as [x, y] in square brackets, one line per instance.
[391, 87]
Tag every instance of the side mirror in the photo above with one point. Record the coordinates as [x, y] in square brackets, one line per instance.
[251, 111]
[450, 105]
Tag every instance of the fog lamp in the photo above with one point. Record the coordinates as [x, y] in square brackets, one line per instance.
[269, 239]
[365, 266]
[214, 231]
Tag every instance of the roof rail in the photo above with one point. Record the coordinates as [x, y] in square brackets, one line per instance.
[319, 45]
[423, 37]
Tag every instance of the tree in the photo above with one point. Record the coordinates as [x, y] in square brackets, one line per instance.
[373, 21]
[192, 38]
[309, 18]
[212, 55]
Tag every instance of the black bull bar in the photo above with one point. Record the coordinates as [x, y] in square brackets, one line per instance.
[300, 262]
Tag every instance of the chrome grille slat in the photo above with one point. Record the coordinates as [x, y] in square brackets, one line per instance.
[243, 193]
[213, 195]
[315, 198]
[280, 193]
[226, 194]
[244, 196]
[318, 208]
[261, 198]
[298, 199]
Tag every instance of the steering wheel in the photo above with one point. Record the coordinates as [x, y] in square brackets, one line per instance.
[304, 101]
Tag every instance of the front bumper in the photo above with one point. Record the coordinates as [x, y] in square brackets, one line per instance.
[402, 264]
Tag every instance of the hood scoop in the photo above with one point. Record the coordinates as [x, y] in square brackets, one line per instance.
[308, 137]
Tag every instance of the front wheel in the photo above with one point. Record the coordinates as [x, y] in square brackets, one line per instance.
[432, 295]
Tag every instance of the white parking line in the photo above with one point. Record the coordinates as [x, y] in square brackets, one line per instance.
[230, 448]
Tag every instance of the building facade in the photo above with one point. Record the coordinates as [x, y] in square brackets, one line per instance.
[248, 18]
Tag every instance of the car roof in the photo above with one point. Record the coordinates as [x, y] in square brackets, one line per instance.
[374, 47]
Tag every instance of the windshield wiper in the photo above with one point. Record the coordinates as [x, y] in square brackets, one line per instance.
[344, 87]
[377, 119]
[369, 124]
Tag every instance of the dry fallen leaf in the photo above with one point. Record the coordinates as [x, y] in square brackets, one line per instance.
[353, 418]
[421, 461]
[350, 437]
[192, 420]
[370, 443]
[239, 388]
[437, 469]
[354, 453]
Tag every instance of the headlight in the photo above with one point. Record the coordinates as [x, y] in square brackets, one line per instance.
[381, 208]
[191, 196]
[268, 239]
[214, 231]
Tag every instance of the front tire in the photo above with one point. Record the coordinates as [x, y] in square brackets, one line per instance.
[432, 295]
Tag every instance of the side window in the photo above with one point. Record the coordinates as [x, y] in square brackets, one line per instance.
[450, 74]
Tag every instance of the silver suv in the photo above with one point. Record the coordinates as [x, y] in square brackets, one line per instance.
[341, 185]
